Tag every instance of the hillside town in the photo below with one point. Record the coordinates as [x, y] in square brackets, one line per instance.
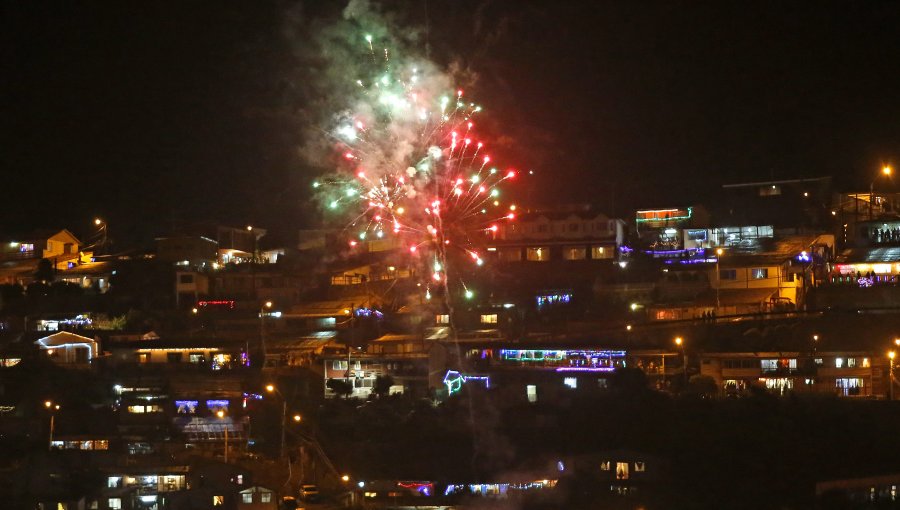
[219, 365]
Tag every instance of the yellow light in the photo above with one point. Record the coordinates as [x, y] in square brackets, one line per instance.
[268, 304]
[719, 251]
[891, 354]
[47, 404]
[194, 311]
[249, 228]
[400, 210]
[220, 414]
[345, 478]
[886, 170]
[628, 327]
[897, 342]
[270, 388]
[97, 221]
[678, 341]
[297, 418]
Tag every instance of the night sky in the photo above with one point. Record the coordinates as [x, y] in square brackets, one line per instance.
[150, 114]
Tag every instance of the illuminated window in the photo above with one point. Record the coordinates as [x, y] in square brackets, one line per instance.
[621, 471]
[531, 393]
[571, 382]
[865, 363]
[247, 497]
[114, 503]
[339, 365]
[218, 500]
[114, 482]
[143, 357]
[442, 319]
[839, 362]
[489, 318]
[759, 273]
[604, 466]
[265, 497]
[639, 467]
[537, 254]
[574, 253]
[601, 252]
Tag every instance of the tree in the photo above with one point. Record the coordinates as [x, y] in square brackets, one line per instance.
[44, 272]
[382, 386]
[340, 387]
[702, 386]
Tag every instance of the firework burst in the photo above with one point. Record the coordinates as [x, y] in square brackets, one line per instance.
[413, 169]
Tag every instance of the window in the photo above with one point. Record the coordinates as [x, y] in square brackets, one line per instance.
[759, 273]
[574, 253]
[531, 393]
[601, 252]
[865, 363]
[26, 247]
[538, 254]
[571, 382]
[143, 357]
[247, 497]
[196, 357]
[265, 497]
[489, 318]
[442, 319]
[838, 362]
[173, 357]
[604, 466]
[114, 503]
[114, 482]
[510, 254]
[339, 365]
[218, 500]
[621, 471]
[851, 362]
[639, 467]
[849, 386]
[728, 274]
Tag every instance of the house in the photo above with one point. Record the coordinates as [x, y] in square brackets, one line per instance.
[19, 257]
[67, 348]
[257, 498]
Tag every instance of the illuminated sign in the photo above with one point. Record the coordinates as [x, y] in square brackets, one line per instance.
[220, 303]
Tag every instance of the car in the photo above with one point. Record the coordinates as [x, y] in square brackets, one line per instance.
[289, 503]
[309, 492]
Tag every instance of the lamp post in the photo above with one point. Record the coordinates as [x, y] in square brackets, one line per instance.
[221, 414]
[680, 343]
[51, 407]
[271, 389]
[886, 170]
[262, 331]
[891, 355]
[719, 252]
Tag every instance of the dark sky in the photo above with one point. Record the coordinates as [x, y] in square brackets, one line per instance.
[152, 113]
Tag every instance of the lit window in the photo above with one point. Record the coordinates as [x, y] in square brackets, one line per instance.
[759, 273]
[538, 254]
[339, 365]
[114, 482]
[247, 497]
[218, 500]
[265, 497]
[839, 362]
[639, 467]
[114, 503]
[865, 363]
[489, 318]
[574, 253]
[621, 471]
[851, 362]
[604, 466]
[531, 392]
[571, 382]
[601, 252]
[442, 319]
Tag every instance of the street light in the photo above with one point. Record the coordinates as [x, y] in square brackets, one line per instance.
[891, 355]
[886, 171]
[272, 389]
[221, 414]
[680, 343]
[50, 406]
[719, 252]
